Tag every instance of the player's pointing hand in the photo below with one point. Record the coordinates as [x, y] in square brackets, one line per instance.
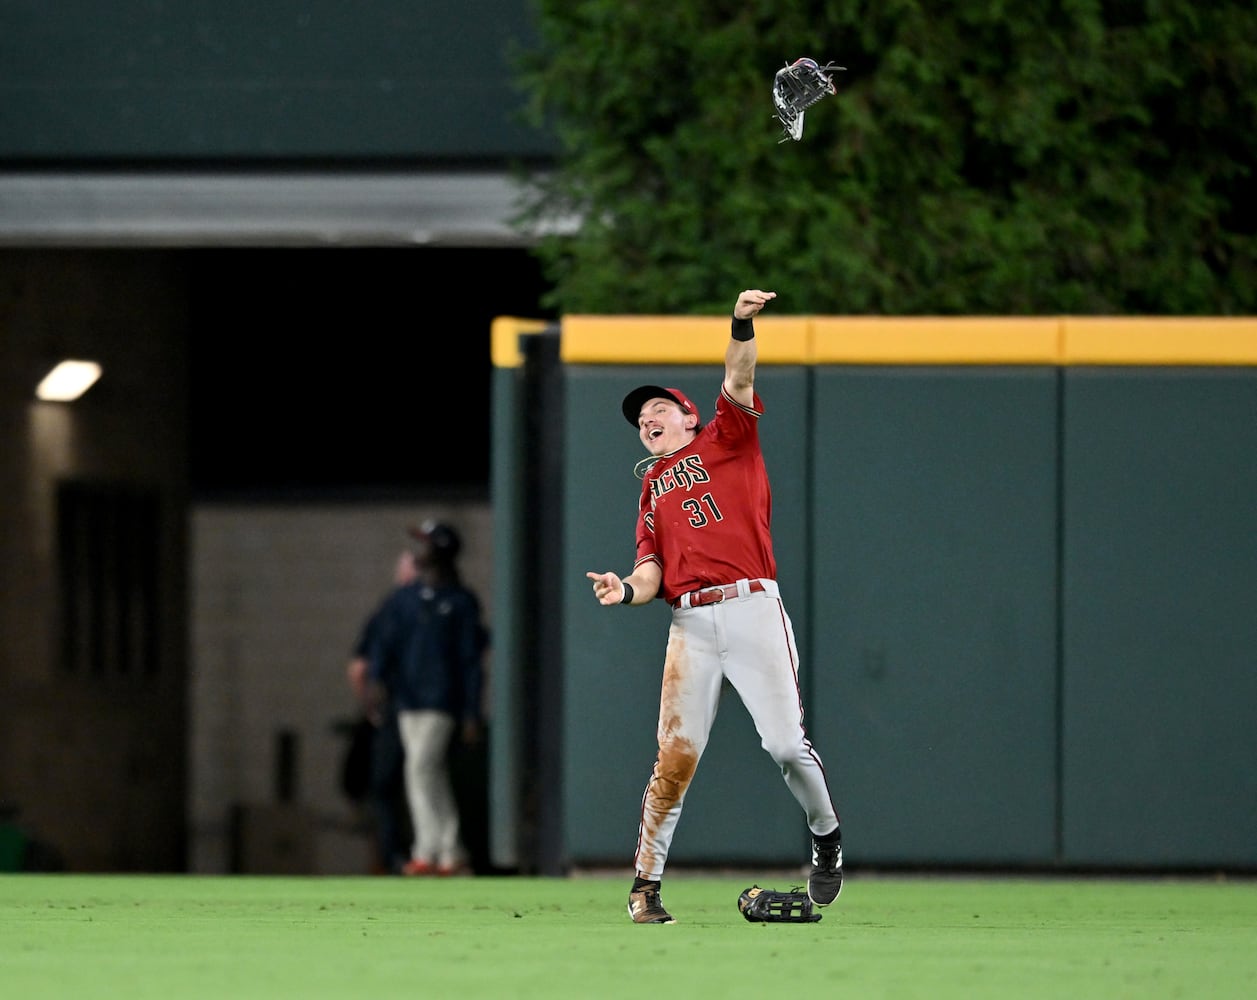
[607, 587]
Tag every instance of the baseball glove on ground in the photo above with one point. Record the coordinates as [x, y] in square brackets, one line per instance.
[767, 906]
[796, 87]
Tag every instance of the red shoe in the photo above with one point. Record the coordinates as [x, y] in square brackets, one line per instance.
[416, 867]
[456, 869]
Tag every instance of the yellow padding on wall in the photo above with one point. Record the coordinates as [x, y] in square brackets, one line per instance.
[1160, 340]
[897, 340]
[504, 343]
[678, 339]
[927, 340]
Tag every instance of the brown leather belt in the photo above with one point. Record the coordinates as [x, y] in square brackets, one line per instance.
[714, 595]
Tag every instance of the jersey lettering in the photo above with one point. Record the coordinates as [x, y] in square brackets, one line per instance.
[684, 475]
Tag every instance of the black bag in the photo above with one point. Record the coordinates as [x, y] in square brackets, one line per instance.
[355, 772]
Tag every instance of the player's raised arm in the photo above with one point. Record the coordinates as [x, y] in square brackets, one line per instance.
[741, 354]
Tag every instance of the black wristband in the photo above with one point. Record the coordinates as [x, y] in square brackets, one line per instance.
[628, 593]
[743, 329]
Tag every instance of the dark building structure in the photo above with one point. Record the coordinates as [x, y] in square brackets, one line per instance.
[253, 221]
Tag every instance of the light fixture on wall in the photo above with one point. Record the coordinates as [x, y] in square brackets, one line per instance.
[68, 381]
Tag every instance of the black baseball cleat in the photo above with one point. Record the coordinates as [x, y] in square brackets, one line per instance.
[645, 907]
[825, 882]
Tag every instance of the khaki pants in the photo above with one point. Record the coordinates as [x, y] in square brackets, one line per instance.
[426, 738]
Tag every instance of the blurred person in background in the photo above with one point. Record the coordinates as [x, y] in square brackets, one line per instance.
[427, 655]
[374, 769]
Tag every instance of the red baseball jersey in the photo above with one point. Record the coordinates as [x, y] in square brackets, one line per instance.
[705, 510]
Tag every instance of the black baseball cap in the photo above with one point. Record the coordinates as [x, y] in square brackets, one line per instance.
[635, 400]
[443, 538]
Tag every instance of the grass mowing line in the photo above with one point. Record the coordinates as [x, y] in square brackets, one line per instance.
[115, 936]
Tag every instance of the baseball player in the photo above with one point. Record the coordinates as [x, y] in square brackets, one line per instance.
[704, 546]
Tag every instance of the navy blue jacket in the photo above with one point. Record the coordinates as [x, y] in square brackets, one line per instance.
[427, 649]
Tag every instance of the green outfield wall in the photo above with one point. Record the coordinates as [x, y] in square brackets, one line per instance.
[1020, 556]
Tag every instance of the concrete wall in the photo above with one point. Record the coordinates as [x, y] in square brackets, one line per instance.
[279, 593]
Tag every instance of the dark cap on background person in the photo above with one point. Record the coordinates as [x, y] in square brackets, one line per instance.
[633, 402]
[442, 538]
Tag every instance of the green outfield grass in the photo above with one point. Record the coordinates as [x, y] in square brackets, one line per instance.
[179, 936]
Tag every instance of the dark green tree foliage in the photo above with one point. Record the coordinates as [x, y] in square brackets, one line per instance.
[981, 157]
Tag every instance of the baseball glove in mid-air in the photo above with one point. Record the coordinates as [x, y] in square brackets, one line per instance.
[796, 87]
[768, 906]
